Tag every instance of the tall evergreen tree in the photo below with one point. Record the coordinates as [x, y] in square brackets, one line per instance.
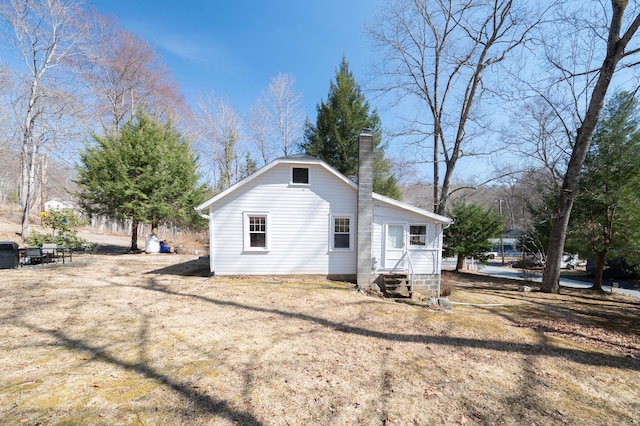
[605, 218]
[334, 138]
[146, 173]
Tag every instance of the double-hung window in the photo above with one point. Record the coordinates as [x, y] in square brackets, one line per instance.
[417, 236]
[342, 232]
[256, 231]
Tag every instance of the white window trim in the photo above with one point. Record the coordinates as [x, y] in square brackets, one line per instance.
[427, 244]
[246, 238]
[291, 182]
[332, 218]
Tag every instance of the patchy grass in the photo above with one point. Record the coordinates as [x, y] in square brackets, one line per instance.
[151, 340]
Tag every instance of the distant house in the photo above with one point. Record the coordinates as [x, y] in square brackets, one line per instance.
[58, 205]
[299, 216]
[509, 244]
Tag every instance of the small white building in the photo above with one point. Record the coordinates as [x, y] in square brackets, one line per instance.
[58, 205]
[299, 216]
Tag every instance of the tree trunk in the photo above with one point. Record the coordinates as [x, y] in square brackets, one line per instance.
[134, 236]
[460, 262]
[27, 159]
[28, 189]
[445, 188]
[154, 228]
[597, 278]
[436, 173]
[615, 51]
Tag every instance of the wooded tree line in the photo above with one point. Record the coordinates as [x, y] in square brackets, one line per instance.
[519, 83]
[77, 73]
[551, 64]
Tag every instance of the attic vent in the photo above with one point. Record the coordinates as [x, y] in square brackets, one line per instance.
[300, 175]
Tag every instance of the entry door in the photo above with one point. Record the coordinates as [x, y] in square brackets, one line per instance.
[395, 247]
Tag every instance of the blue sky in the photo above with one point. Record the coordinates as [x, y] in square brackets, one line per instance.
[235, 48]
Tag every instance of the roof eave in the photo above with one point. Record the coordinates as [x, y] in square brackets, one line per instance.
[399, 204]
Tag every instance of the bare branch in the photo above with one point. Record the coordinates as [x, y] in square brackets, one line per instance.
[438, 52]
[220, 131]
[44, 35]
[278, 118]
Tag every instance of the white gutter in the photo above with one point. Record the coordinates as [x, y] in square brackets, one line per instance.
[202, 215]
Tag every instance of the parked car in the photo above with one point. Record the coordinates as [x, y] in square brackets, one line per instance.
[491, 254]
[569, 261]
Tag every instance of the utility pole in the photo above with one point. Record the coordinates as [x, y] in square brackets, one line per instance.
[501, 233]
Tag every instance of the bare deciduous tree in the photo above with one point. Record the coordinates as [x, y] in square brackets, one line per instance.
[8, 152]
[219, 128]
[124, 74]
[277, 120]
[261, 132]
[543, 142]
[600, 36]
[44, 35]
[439, 53]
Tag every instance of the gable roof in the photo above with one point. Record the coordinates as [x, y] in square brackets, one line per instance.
[304, 159]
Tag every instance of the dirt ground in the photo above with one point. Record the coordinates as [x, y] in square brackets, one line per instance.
[103, 241]
[152, 340]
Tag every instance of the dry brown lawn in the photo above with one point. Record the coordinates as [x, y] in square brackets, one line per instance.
[149, 340]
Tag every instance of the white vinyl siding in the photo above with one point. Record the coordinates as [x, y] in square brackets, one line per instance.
[298, 241]
[299, 225]
[425, 259]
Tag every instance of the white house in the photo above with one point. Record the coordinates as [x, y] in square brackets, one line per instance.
[299, 216]
[58, 205]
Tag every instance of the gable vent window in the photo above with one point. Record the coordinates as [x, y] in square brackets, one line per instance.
[300, 175]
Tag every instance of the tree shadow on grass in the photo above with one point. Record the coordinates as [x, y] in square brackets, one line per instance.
[192, 268]
[205, 403]
[575, 355]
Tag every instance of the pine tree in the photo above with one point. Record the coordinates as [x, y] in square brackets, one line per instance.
[334, 138]
[605, 218]
[472, 227]
[146, 173]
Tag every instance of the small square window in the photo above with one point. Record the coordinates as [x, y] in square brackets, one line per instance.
[418, 235]
[300, 175]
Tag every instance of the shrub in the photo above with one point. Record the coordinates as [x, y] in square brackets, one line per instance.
[67, 239]
[446, 287]
[61, 222]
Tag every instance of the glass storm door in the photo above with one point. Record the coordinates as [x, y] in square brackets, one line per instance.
[394, 247]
